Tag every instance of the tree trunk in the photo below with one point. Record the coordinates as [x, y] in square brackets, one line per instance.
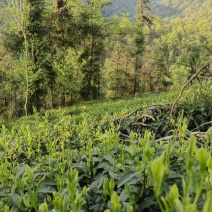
[135, 76]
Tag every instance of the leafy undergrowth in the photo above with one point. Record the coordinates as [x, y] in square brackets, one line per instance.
[82, 162]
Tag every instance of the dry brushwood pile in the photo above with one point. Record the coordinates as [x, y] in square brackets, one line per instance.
[156, 119]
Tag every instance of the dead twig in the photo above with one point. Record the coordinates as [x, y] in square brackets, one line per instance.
[145, 115]
[139, 123]
[210, 122]
[125, 136]
[199, 134]
[206, 78]
[164, 138]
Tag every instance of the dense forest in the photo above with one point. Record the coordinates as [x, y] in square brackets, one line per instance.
[54, 53]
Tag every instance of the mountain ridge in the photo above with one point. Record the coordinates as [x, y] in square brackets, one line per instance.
[163, 8]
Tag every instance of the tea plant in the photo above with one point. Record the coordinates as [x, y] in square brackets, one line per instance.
[85, 162]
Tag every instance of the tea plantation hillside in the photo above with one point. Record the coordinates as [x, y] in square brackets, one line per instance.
[112, 155]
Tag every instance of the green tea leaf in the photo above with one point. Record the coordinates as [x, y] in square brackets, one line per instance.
[20, 170]
[46, 189]
[4, 191]
[202, 156]
[43, 207]
[208, 203]
[48, 182]
[15, 199]
[159, 171]
[127, 177]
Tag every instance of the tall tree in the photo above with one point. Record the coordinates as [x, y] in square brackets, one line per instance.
[94, 28]
[142, 16]
[36, 33]
[143, 13]
[119, 64]
[23, 37]
[17, 38]
[63, 41]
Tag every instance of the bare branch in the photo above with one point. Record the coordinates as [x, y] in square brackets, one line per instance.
[210, 122]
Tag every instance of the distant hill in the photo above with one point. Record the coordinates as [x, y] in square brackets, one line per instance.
[184, 8]
[119, 7]
[158, 7]
[163, 8]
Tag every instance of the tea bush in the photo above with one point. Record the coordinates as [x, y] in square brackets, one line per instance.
[76, 160]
